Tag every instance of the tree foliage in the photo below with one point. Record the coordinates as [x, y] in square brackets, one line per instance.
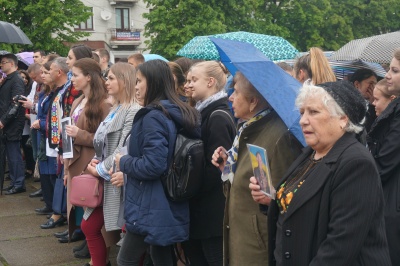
[47, 23]
[328, 24]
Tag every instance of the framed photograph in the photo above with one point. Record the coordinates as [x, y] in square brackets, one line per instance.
[261, 170]
[67, 143]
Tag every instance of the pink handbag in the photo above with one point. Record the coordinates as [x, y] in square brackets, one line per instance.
[86, 191]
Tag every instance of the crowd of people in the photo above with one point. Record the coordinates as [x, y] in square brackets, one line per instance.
[336, 202]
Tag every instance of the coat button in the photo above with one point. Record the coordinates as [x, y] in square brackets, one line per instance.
[287, 255]
[288, 233]
[141, 182]
[227, 227]
[245, 137]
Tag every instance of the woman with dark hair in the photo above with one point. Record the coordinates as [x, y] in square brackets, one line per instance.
[365, 80]
[87, 112]
[151, 218]
[63, 103]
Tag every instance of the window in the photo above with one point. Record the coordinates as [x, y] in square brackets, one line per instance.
[122, 18]
[86, 25]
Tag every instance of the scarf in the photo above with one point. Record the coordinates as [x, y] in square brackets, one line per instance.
[56, 114]
[230, 167]
[200, 105]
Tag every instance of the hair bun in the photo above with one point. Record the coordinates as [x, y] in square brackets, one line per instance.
[223, 67]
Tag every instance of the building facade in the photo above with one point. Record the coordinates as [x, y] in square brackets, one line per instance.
[116, 25]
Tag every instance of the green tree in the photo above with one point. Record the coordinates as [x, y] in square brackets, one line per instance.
[172, 23]
[48, 23]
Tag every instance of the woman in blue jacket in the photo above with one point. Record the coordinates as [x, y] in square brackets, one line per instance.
[152, 219]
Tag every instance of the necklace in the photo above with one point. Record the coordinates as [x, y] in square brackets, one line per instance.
[287, 190]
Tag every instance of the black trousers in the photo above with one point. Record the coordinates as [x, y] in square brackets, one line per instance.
[207, 251]
[28, 153]
[133, 247]
[48, 182]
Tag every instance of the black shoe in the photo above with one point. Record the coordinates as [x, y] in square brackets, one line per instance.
[81, 246]
[83, 253]
[51, 223]
[7, 188]
[44, 211]
[28, 175]
[48, 216]
[36, 194]
[15, 190]
[75, 237]
[61, 234]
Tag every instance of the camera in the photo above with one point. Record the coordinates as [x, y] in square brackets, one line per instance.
[19, 98]
[16, 104]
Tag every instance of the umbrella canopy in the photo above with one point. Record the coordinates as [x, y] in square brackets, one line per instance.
[26, 56]
[342, 69]
[148, 57]
[377, 49]
[9, 33]
[273, 47]
[275, 85]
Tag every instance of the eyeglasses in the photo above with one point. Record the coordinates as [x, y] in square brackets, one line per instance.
[5, 62]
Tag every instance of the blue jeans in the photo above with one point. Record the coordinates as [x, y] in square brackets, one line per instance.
[15, 164]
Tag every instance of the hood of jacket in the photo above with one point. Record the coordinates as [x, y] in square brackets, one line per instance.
[173, 112]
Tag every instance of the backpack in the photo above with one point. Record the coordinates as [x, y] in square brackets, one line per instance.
[183, 180]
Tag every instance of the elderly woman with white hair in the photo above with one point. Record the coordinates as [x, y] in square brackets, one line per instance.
[329, 205]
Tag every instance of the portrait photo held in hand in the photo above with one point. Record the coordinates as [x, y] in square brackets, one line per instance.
[262, 173]
[67, 140]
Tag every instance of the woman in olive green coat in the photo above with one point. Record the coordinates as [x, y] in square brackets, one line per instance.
[245, 227]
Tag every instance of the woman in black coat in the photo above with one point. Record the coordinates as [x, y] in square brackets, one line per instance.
[207, 81]
[384, 143]
[329, 205]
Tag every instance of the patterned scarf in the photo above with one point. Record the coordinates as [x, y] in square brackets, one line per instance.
[230, 167]
[200, 105]
[56, 114]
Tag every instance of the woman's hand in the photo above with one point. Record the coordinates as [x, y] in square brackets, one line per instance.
[91, 168]
[257, 194]
[71, 130]
[219, 158]
[117, 159]
[65, 180]
[36, 124]
[117, 179]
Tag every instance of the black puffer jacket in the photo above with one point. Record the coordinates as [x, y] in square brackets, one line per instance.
[13, 121]
[384, 143]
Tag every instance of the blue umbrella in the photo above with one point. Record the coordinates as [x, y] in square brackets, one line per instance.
[148, 57]
[275, 85]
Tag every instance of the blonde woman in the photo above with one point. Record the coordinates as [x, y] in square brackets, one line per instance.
[314, 68]
[108, 141]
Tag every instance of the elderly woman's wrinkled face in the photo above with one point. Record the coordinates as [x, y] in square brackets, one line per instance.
[240, 104]
[321, 130]
[393, 77]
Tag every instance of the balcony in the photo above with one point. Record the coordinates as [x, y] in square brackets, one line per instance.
[124, 2]
[125, 37]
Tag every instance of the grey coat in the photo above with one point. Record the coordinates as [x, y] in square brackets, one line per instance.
[120, 126]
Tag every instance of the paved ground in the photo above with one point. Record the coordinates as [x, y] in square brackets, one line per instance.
[23, 242]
